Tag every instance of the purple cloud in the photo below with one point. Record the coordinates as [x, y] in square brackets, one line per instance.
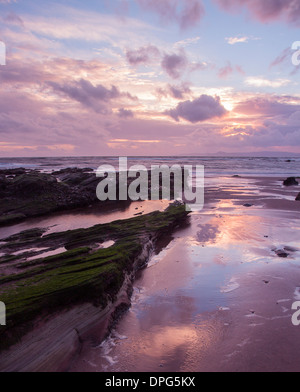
[203, 108]
[89, 95]
[125, 113]
[187, 13]
[177, 92]
[267, 10]
[174, 64]
[267, 107]
[143, 55]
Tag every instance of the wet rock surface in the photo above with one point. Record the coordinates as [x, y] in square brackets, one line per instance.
[30, 193]
[25, 194]
[291, 181]
[81, 273]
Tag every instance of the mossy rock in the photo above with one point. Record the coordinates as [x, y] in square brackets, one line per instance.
[79, 275]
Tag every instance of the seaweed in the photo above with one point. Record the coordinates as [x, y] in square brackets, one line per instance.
[79, 275]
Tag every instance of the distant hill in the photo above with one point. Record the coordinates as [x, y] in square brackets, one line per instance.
[263, 154]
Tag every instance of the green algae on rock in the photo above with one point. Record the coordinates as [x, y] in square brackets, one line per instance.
[81, 274]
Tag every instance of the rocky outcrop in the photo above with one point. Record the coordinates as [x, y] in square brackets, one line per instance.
[82, 275]
[291, 181]
[29, 194]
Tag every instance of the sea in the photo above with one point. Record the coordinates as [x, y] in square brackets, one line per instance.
[214, 166]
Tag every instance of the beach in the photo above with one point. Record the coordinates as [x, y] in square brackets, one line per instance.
[214, 294]
[226, 302]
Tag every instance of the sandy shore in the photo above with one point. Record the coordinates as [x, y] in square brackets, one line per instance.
[218, 298]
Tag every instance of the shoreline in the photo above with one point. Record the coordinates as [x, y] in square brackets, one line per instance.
[232, 196]
[227, 290]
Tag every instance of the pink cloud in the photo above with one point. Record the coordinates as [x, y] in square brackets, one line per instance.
[267, 107]
[187, 13]
[267, 10]
[228, 70]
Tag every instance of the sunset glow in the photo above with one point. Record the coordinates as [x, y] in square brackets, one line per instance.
[119, 77]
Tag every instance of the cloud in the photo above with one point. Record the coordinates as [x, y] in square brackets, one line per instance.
[240, 39]
[187, 42]
[87, 94]
[175, 64]
[284, 60]
[177, 92]
[267, 10]
[14, 19]
[125, 113]
[203, 108]
[274, 106]
[237, 40]
[263, 82]
[144, 55]
[226, 71]
[187, 13]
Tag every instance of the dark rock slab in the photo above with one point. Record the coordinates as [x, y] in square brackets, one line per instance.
[282, 253]
[291, 181]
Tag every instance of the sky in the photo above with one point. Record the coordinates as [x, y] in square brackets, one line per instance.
[149, 77]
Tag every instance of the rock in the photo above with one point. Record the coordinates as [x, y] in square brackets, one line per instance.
[32, 193]
[7, 219]
[71, 170]
[26, 235]
[77, 277]
[291, 181]
[3, 182]
[298, 197]
[282, 253]
[13, 172]
[33, 184]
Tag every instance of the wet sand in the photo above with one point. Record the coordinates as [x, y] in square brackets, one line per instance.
[218, 297]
